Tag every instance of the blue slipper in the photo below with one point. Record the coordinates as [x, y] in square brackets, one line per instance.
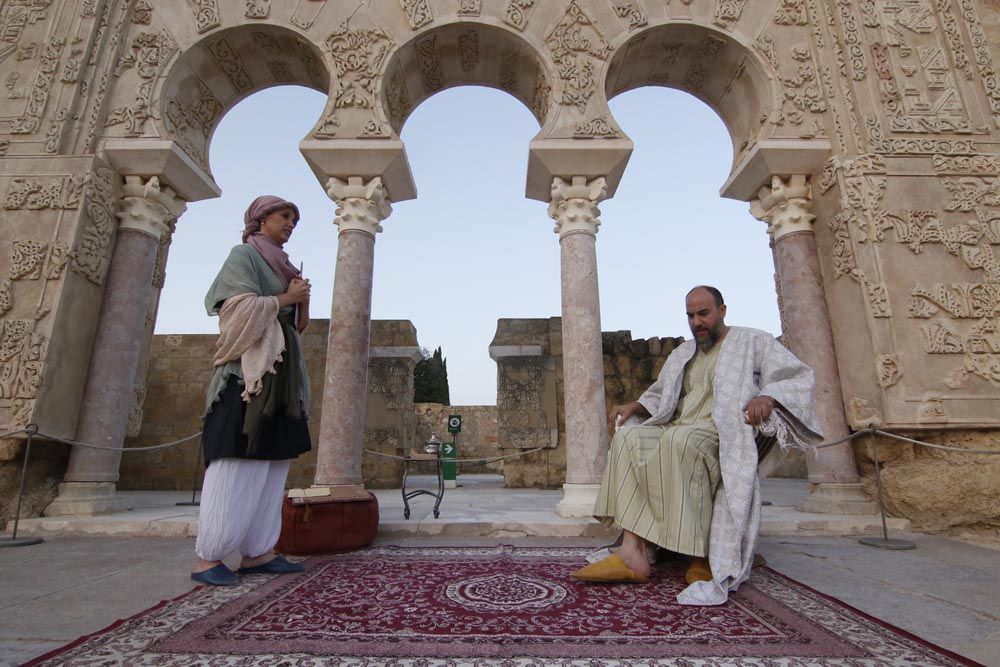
[220, 575]
[277, 565]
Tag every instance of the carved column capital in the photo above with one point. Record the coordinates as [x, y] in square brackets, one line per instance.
[361, 206]
[785, 205]
[148, 207]
[574, 205]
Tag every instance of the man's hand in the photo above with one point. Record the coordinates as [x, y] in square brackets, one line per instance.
[620, 413]
[758, 410]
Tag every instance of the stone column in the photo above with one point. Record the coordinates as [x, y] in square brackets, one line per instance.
[89, 484]
[361, 207]
[574, 208]
[786, 207]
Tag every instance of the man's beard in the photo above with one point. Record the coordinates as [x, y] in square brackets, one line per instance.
[707, 343]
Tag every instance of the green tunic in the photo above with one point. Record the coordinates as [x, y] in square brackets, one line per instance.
[660, 481]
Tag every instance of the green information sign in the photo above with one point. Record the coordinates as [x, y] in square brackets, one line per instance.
[449, 469]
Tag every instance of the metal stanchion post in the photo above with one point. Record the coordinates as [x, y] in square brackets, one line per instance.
[882, 542]
[194, 482]
[14, 541]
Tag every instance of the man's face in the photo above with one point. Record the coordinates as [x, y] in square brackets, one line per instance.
[707, 321]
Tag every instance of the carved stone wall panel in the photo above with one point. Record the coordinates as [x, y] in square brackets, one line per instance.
[205, 14]
[418, 12]
[526, 402]
[516, 13]
[579, 49]
[924, 251]
[230, 63]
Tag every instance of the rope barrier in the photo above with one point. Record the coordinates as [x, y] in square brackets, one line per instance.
[474, 461]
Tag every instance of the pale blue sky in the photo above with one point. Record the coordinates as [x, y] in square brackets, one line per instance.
[471, 249]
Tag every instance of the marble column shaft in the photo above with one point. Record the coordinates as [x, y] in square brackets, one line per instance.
[361, 207]
[786, 207]
[574, 207]
[107, 399]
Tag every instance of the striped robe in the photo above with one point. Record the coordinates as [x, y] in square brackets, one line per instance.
[751, 363]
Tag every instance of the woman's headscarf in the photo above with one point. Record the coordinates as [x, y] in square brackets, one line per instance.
[260, 208]
[272, 253]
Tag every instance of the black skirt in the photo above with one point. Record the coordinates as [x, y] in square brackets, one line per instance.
[281, 437]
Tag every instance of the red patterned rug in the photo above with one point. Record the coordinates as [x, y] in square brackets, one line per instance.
[492, 606]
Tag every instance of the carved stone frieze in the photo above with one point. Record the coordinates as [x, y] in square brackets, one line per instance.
[517, 12]
[630, 13]
[916, 82]
[727, 13]
[148, 54]
[280, 71]
[956, 300]
[577, 46]
[6, 298]
[38, 97]
[764, 45]
[469, 7]
[21, 354]
[791, 12]
[135, 412]
[397, 98]
[980, 165]
[205, 13]
[912, 145]
[429, 59]
[53, 136]
[357, 58]
[802, 94]
[468, 49]
[889, 371]
[162, 250]
[853, 40]
[510, 61]
[541, 95]
[229, 62]
[26, 259]
[418, 12]
[704, 60]
[984, 58]
[393, 379]
[596, 127]
[878, 299]
[266, 42]
[199, 114]
[142, 14]
[91, 254]
[33, 193]
[526, 407]
[257, 9]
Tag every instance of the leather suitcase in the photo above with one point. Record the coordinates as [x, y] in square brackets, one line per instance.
[326, 525]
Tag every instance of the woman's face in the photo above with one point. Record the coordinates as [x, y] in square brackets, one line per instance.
[278, 225]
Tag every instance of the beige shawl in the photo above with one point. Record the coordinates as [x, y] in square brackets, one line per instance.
[249, 331]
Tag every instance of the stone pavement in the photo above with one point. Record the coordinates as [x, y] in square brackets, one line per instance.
[96, 572]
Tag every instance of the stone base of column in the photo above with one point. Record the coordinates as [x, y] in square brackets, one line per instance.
[87, 499]
[578, 500]
[829, 498]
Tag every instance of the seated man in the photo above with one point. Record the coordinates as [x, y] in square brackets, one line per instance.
[686, 478]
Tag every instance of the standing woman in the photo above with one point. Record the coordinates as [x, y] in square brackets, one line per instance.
[256, 407]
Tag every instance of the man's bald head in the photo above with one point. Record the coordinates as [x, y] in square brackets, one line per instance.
[716, 294]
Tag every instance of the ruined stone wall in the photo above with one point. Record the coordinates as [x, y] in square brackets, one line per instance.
[478, 438]
[175, 401]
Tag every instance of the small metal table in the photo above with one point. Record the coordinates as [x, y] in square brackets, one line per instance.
[413, 459]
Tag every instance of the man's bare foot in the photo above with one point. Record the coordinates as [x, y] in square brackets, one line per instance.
[257, 560]
[636, 560]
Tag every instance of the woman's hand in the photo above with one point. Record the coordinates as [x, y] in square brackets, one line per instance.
[297, 292]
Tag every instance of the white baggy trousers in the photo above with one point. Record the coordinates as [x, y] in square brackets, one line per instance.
[240, 508]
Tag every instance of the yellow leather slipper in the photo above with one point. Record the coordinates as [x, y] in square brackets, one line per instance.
[610, 570]
[698, 570]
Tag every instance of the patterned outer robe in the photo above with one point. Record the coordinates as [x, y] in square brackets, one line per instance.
[751, 363]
